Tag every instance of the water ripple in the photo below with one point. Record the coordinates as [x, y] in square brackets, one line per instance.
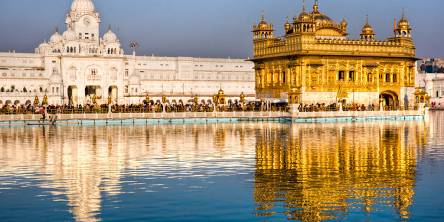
[246, 171]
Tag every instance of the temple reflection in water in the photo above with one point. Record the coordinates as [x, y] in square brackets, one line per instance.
[302, 172]
[85, 164]
[321, 172]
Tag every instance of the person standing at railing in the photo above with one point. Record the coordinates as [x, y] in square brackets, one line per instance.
[43, 113]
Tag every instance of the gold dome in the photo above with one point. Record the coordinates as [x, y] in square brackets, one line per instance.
[287, 26]
[344, 22]
[404, 23]
[262, 25]
[319, 17]
[304, 17]
[367, 30]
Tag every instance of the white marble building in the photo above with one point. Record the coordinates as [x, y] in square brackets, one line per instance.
[433, 84]
[79, 63]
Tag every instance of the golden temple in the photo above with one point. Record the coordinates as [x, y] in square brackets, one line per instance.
[316, 62]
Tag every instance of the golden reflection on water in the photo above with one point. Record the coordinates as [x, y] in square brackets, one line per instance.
[316, 171]
[323, 171]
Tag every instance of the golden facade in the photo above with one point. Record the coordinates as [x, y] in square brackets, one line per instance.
[317, 63]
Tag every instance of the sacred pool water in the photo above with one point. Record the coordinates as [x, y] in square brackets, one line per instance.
[366, 171]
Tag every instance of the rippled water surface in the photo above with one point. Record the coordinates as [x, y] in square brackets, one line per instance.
[376, 171]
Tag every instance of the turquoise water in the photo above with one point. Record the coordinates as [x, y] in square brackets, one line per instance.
[364, 171]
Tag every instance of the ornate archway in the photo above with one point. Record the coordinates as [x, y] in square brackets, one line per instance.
[389, 100]
[113, 93]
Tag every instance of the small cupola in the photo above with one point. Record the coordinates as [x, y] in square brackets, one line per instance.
[367, 32]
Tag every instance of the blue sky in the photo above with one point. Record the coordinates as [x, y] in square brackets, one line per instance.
[213, 28]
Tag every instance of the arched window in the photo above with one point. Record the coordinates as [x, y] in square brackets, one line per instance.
[351, 76]
[341, 75]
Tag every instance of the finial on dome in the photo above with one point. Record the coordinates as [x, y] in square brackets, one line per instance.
[366, 19]
[287, 24]
[56, 29]
[303, 6]
[316, 6]
[263, 15]
[109, 27]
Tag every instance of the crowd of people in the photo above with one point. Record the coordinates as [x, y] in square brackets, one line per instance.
[336, 107]
[146, 107]
[203, 106]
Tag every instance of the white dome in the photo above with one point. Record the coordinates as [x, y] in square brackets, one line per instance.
[110, 36]
[56, 38]
[43, 45]
[82, 6]
[69, 35]
[55, 78]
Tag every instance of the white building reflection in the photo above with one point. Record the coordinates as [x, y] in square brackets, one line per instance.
[84, 164]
